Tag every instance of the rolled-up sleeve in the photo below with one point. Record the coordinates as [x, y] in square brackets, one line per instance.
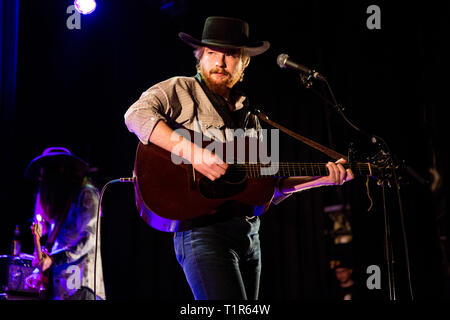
[143, 115]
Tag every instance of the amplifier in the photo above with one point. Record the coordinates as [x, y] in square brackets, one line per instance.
[13, 272]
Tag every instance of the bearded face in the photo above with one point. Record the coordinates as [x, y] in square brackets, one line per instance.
[221, 69]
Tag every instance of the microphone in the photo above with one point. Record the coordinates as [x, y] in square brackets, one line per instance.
[284, 61]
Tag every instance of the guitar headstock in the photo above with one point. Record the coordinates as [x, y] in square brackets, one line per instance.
[384, 170]
[36, 230]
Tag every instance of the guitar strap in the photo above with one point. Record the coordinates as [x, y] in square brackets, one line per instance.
[329, 152]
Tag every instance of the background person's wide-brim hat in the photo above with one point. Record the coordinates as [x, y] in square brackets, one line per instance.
[53, 156]
[226, 33]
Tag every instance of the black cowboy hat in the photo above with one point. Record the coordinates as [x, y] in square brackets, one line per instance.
[228, 33]
[56, 155]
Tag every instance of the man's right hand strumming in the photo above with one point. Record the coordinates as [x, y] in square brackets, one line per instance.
[203, 160]
[208, 163]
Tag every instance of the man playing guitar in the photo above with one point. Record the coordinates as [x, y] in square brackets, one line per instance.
[220, 256]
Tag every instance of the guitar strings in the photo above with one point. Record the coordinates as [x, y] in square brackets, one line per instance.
[297, 168]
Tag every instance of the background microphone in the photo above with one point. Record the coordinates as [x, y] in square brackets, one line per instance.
[284, 61]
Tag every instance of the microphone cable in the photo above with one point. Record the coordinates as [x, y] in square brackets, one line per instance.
[97, 228]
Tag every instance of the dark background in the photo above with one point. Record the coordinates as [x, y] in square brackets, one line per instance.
[74, 86]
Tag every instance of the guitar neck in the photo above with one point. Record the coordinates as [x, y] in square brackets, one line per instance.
[37, 247]
[291, 169]
[36, 231]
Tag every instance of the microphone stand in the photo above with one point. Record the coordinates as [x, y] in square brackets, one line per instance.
[384, 155]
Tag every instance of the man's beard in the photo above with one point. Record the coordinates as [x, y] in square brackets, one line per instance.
[219, 86]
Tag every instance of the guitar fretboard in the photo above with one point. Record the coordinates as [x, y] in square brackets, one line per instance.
[290, 169]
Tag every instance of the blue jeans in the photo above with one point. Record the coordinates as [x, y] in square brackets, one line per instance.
[221, 261]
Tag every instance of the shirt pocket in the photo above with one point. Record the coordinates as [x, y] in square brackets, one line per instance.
[211, 130]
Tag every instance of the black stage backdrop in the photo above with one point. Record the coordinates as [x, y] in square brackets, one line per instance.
[74, 86]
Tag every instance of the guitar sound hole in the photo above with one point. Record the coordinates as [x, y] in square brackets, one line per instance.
[230, 184]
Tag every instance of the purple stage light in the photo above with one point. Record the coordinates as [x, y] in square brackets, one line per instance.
[85, 6]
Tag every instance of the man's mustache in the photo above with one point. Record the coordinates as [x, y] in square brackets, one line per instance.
[219, 70]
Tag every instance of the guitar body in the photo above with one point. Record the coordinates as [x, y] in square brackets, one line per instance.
[170, 195]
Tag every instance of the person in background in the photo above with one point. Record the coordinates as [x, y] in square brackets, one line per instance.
[66, 209]
[344, 289]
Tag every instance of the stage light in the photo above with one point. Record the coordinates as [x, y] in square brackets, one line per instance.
[85, 6]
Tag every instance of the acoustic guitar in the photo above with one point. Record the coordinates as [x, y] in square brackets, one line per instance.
[170, 193]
